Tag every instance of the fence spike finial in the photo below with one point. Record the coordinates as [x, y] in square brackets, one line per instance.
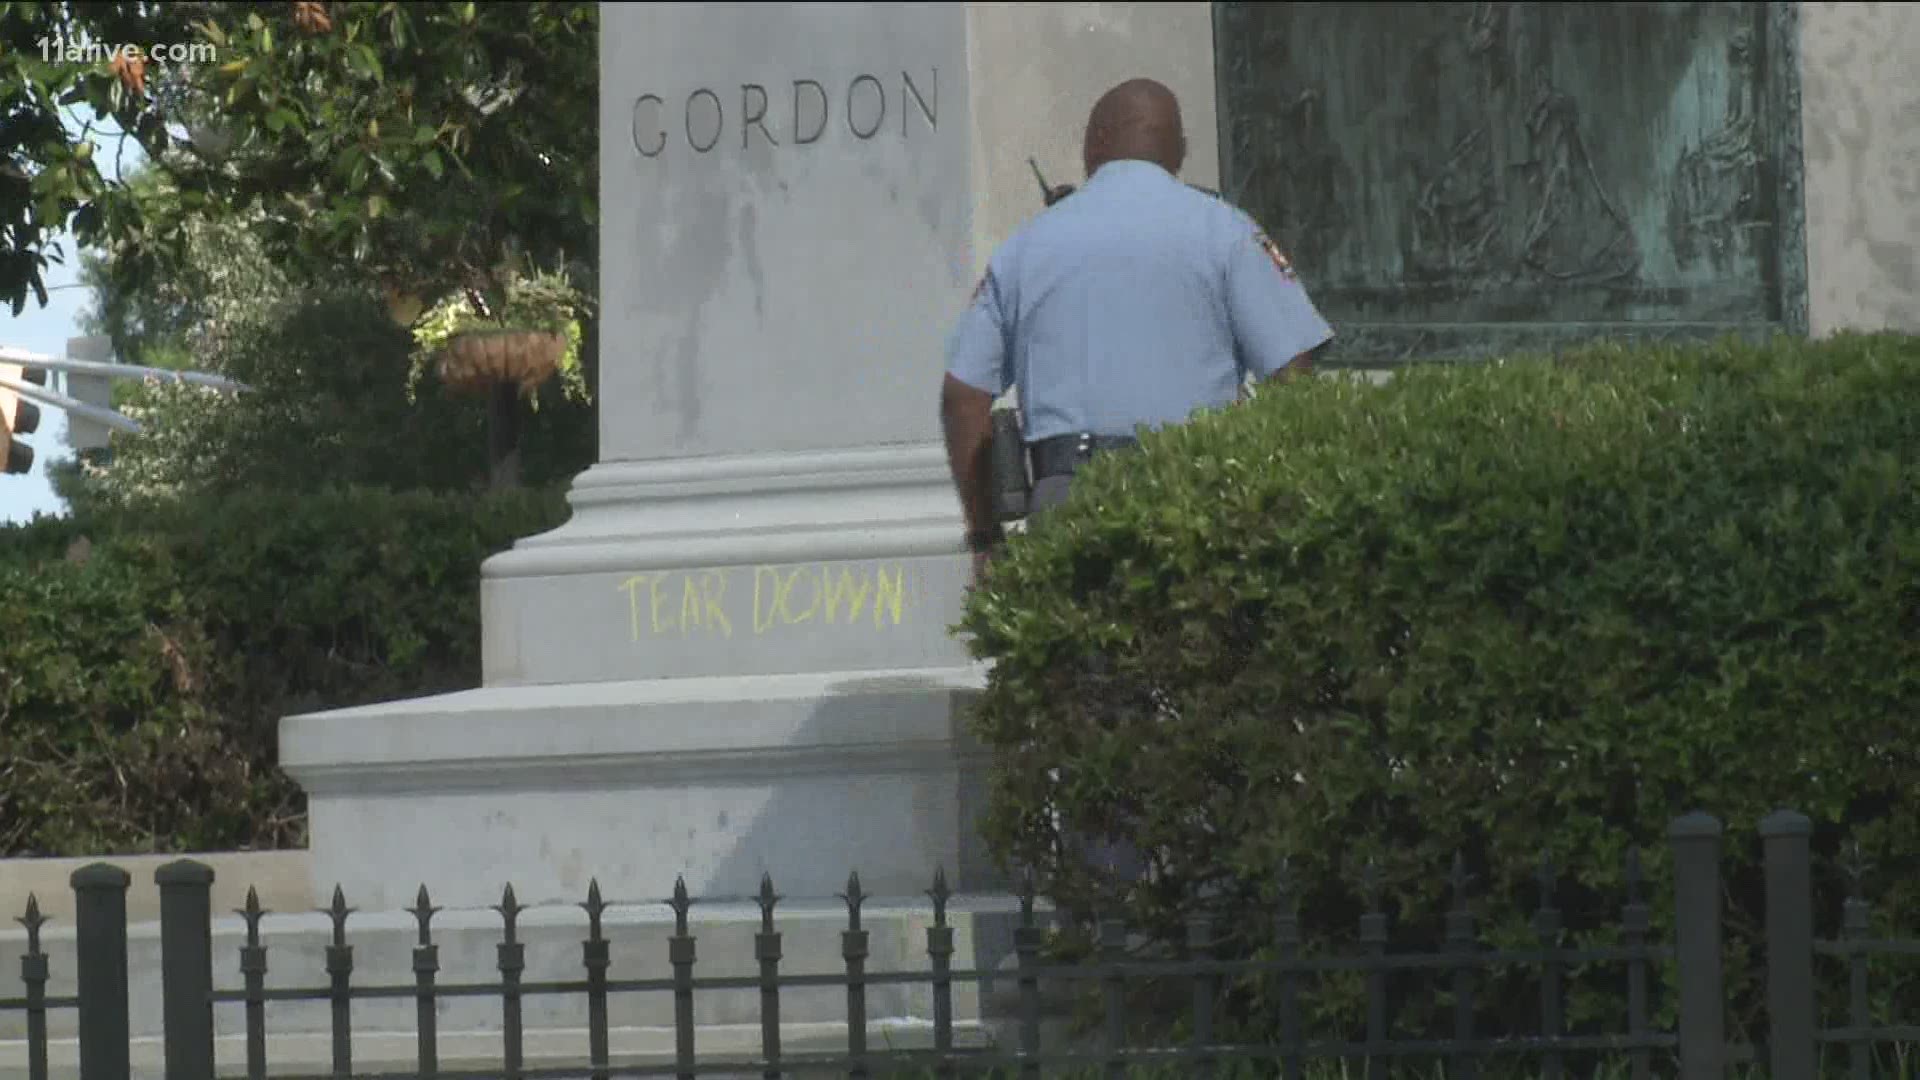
[1370, 886]
[338, 912]
[768, 898]
[252, 912]
[681, 903]
[33, 920]
[854, 896]
[594, 907]
[423, 912]
[1636, 877]
[939, 894]
[509, 910]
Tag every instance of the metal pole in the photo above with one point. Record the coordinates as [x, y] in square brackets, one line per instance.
[100, 945]
[73, 406]
[186, 968]
[122, 371]
[1695, 840]
[1785, 835]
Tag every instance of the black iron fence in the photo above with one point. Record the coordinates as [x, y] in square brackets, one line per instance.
[1696, 1046]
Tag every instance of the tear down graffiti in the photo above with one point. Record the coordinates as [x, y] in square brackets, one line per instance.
[764, 600]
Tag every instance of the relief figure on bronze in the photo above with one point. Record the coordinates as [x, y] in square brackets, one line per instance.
[1432, 164]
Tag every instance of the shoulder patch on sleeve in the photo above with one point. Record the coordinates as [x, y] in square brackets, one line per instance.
[1280, 260]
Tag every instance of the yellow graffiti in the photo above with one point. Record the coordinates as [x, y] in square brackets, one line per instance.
[893, 594]
[713, 586]
[838, 594]
[781, 597]
[701, 604]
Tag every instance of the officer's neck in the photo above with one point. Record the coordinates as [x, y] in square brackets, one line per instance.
[1117, 166]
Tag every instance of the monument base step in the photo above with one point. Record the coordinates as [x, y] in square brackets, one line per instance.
[719, 781]
[641, 1023]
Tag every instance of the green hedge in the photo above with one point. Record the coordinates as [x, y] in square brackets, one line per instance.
[142, 682]
[1506, 610]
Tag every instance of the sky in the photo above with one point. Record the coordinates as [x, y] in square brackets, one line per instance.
[46, 330]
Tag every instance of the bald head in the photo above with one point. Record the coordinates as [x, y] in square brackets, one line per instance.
[1139, 120]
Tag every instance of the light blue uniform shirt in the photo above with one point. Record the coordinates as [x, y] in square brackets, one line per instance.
[1135, 300]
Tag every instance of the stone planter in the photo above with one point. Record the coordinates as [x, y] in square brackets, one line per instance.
[474, 361]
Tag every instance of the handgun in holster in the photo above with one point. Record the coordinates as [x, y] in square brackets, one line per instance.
[1012, 484]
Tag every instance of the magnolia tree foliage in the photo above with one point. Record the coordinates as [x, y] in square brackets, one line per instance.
[51, 177]
[188, 313]
[421, 145]
[302, 159]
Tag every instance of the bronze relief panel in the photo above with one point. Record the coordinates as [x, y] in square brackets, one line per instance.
[1458, 177]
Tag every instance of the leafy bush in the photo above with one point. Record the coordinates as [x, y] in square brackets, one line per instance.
[330, 403]
[144, 671]
[1506, 610]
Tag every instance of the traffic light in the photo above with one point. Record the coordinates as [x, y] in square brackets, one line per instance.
[18, 417]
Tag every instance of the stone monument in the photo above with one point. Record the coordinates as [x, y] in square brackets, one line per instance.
[736, 657]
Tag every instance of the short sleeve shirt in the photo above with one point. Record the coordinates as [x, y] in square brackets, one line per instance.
[1135, 301]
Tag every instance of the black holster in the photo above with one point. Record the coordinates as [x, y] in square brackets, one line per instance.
[1012, 484]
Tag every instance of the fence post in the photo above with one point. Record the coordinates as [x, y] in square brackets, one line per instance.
[1790, 1018]
[186, 967]
[100, 948]
[1696, 886]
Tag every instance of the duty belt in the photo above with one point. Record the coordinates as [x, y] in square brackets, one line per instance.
[1063, 455]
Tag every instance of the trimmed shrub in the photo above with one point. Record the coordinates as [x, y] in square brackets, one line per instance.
[1512, 610]
[144, 672]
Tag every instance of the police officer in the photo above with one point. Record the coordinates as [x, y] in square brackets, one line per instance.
[1135, 301]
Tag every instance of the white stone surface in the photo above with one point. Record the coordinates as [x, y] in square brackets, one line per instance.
[1042, 66]
[1860, 104]
[773, 293]
[744, 565]
[736, 656]
[772, 342]
[282, 879]
[805, 777]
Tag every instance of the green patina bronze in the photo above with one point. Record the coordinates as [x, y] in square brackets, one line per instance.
[1455, 179]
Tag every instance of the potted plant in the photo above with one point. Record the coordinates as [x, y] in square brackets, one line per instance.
[527, 333]
[503, 342]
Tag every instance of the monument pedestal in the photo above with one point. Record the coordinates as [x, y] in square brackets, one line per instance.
[758, 564]
[736, 658]
[717, 779]
[792, 700]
